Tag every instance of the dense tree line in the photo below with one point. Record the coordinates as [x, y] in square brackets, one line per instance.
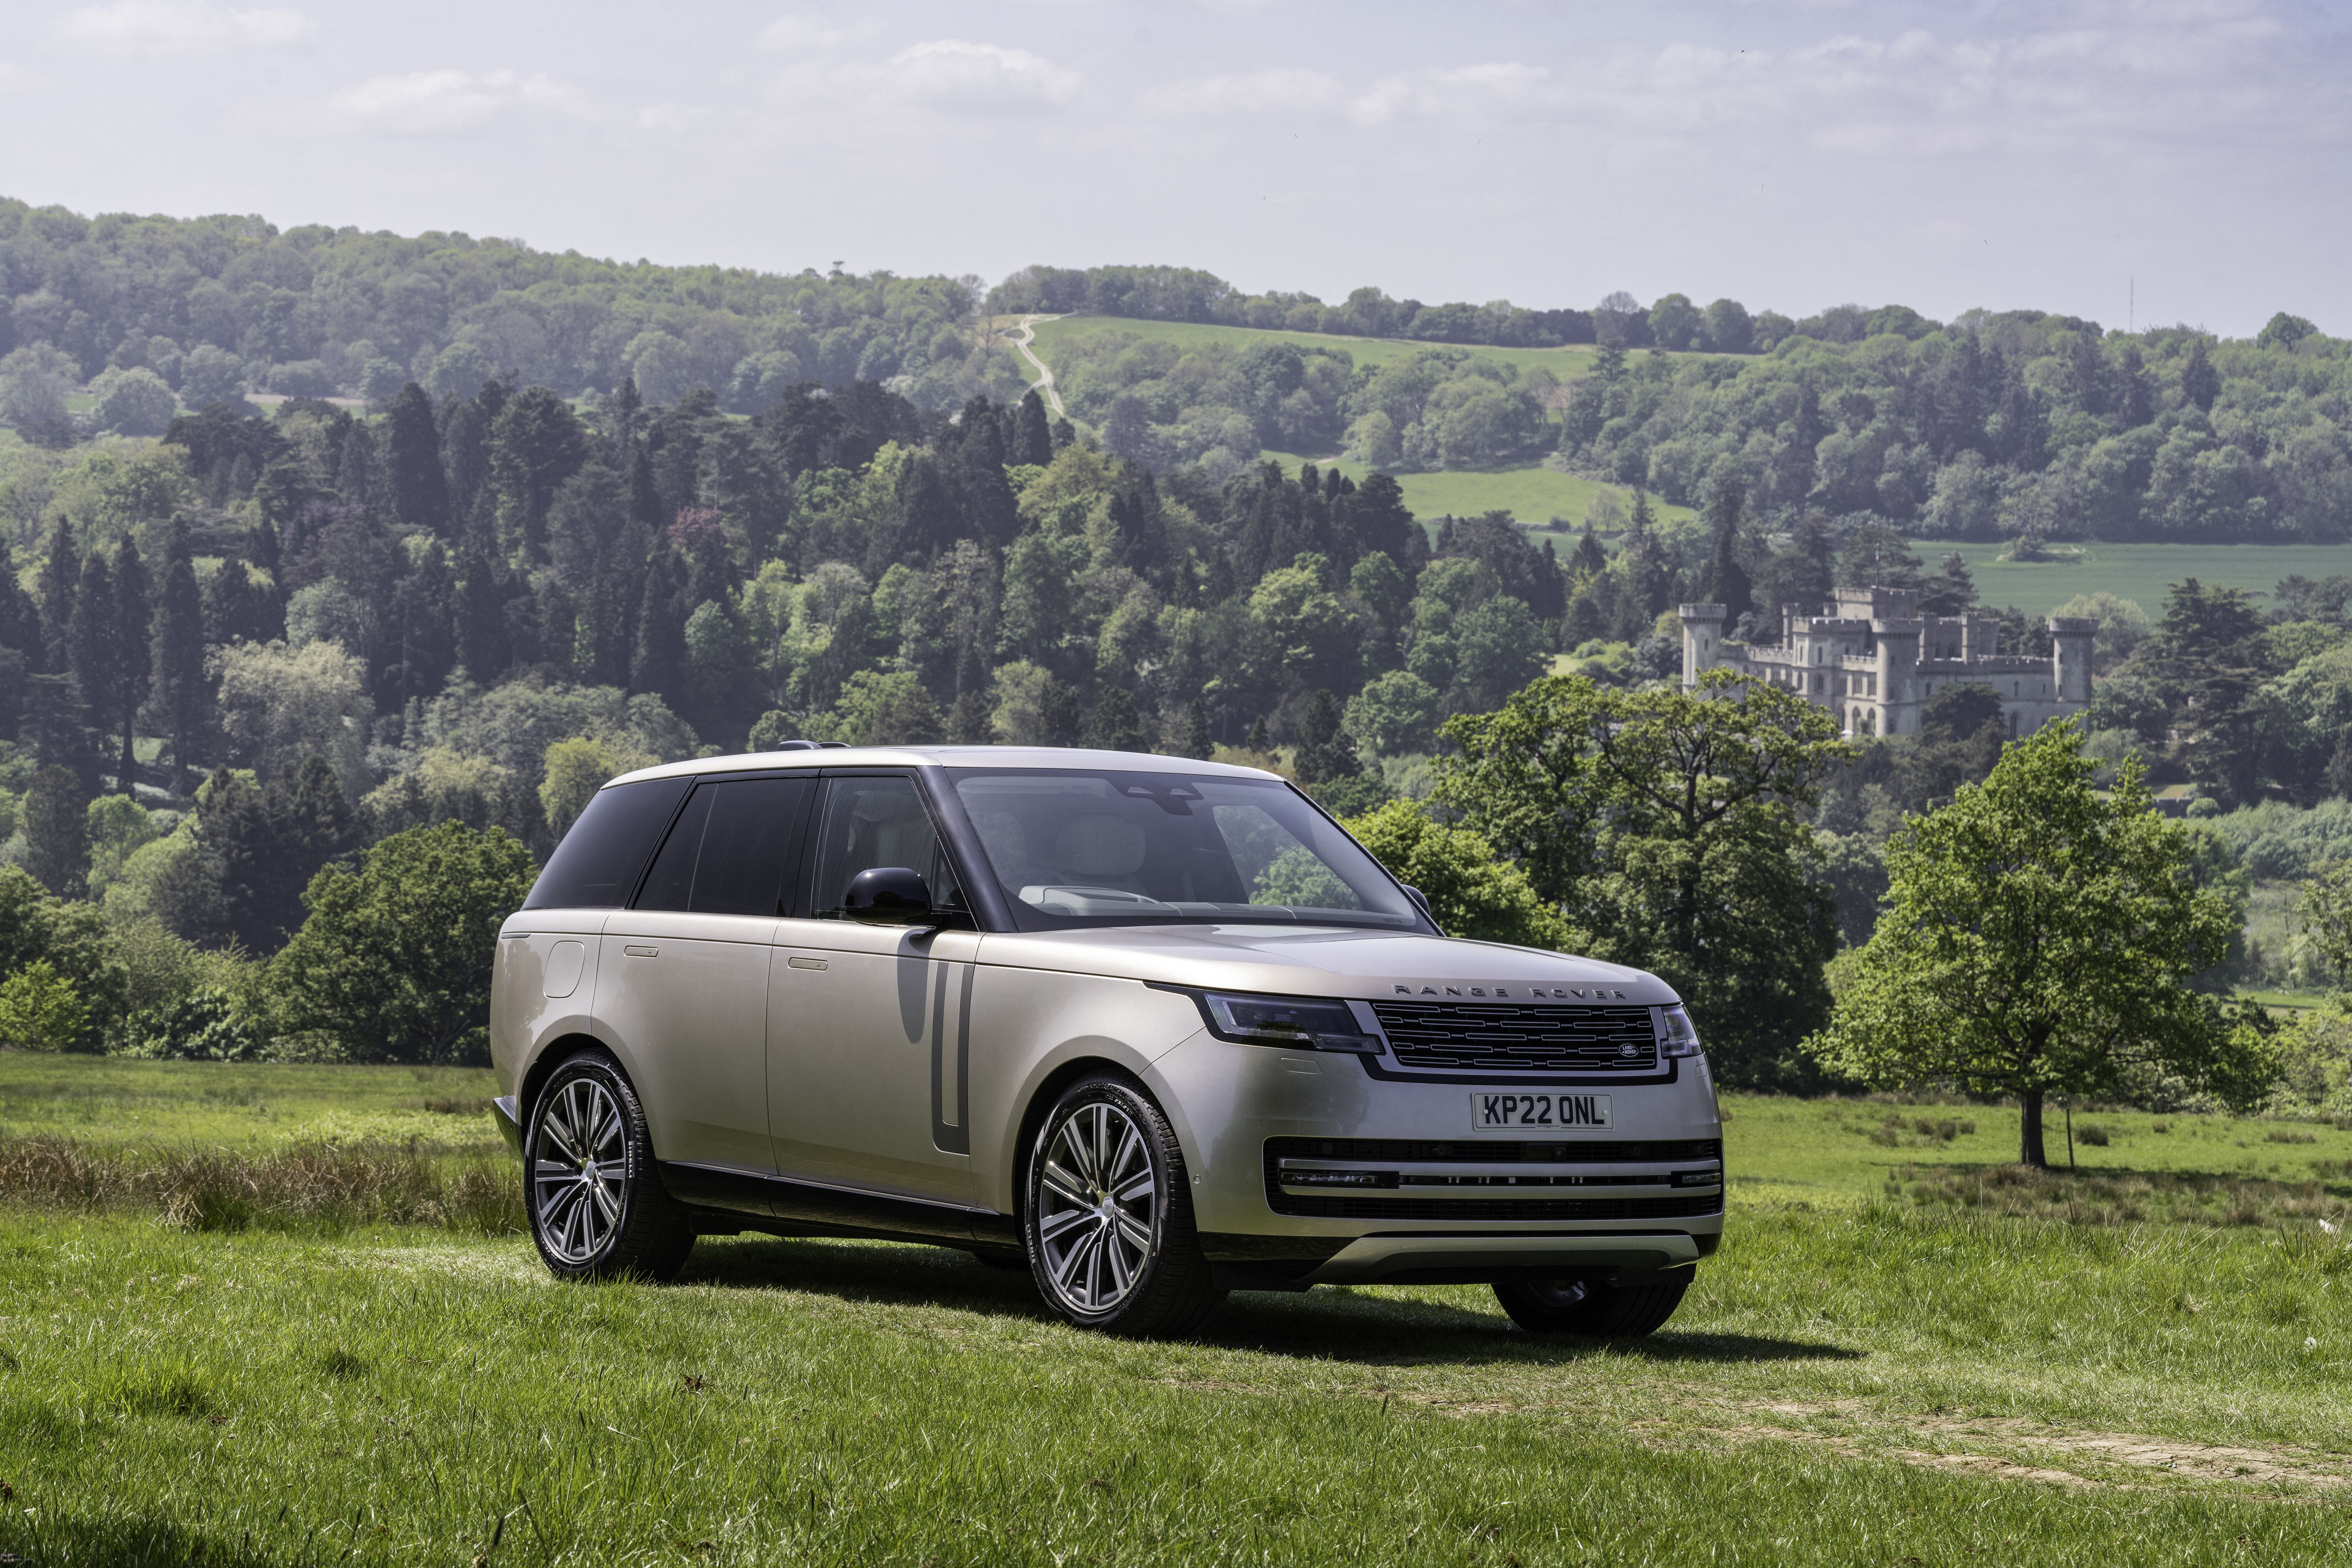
[2019, 425]
[1673, 321]
[215, 307]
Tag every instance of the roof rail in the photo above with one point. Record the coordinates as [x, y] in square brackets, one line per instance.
[794, 746]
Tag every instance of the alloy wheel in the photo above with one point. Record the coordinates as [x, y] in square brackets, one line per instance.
[1097, 1220]
[580, 1170]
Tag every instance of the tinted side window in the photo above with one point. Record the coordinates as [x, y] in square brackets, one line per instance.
[597, 864]
[752, 821]
[670, 884]
[878, 822]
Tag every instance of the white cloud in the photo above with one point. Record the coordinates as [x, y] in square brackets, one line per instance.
[451, 99]
[179, 27]
[948, 73]
[1277, 92]
[1485, 89]
[801, 35]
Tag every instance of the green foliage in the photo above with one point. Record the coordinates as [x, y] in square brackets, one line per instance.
[134, 402]
[311, 309]
[1664, 823]
[40, 1010]
[392, 963]
[573, 772]
[1473, 893]
[208, 1024]
[57, 842]
[2035, 942]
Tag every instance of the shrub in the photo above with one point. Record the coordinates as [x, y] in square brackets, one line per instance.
[41, 1011]
[393, 962]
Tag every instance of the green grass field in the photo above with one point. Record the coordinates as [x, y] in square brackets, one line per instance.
[2141, 572]
[1869, 1372]
[1563, 362]
[1535, 495]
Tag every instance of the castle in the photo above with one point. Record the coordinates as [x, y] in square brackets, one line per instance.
[1873, 660]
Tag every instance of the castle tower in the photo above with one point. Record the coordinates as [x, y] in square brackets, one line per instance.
[1702, 639]
[1896, 647]
[2071, 640]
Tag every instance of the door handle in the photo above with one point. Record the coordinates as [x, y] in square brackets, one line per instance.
[797, 961]
[642, 952]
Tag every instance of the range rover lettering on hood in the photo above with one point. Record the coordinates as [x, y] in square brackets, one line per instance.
[1534, 993]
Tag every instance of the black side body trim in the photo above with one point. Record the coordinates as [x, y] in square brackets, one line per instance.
[788, 1207]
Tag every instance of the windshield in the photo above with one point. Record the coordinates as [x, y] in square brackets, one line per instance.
[1123, 849]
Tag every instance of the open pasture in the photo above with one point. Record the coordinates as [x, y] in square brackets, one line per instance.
[1863, 1374]
[2141, 572]
[1563, 362]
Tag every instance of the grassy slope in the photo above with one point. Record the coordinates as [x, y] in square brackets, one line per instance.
[1563, 362]
[2137, 572]
[1532, 494]
[1852, 1380]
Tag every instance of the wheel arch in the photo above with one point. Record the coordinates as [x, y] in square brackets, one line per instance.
[553, 1055]
[1042, 1097]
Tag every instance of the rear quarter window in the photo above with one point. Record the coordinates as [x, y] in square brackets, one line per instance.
[596, 866]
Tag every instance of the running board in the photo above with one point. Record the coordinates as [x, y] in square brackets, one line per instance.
[785, 1207]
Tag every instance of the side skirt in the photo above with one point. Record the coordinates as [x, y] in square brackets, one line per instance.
[781, 1206]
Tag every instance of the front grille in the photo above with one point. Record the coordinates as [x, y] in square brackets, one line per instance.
[1506, 1036]
[1475, 1152]
[1497, 1209]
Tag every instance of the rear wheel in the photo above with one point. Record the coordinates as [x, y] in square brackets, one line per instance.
[1108, 1216]
[598, 1210]
[1592, 1308]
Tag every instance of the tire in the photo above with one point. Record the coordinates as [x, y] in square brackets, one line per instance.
[597, 1208]
[1595, 1310]
[1108, 1216]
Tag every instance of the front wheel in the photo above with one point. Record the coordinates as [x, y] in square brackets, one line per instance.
[598, 1208]
[1108, 1216]
[1594, 1309]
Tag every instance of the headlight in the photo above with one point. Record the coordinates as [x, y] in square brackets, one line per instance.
[1681, 1039]
[1299, 1022]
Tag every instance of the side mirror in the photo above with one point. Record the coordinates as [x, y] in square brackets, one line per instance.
[1421, 901]
[887, 895]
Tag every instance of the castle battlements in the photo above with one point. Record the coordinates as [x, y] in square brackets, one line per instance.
[1872, 659]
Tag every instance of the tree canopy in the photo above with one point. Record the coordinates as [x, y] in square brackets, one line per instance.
[2036, 941]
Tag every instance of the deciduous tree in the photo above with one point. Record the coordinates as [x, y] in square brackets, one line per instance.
[2035, 942]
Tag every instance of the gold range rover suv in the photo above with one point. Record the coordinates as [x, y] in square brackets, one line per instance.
[1152, 1029]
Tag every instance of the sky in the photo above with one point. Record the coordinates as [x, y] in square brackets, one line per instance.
[2175, 161]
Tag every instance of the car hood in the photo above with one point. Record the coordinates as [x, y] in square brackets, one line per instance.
[1327, 960]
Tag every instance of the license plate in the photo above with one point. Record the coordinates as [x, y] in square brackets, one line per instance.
[1492, 1112]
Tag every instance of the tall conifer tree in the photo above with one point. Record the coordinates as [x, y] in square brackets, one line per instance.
[131, 613]
[176, 653]
[411, 461]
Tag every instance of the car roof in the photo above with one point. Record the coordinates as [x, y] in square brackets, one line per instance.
[1073, 758]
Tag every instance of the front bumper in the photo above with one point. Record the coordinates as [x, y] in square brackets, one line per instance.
[1307, 1169]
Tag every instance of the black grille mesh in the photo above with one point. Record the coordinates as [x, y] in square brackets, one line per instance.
[1503, 1036]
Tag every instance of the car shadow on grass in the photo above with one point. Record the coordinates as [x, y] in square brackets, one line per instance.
[1368, 1324]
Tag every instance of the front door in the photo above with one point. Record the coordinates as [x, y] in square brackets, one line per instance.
[868, 1024]
[683, 971]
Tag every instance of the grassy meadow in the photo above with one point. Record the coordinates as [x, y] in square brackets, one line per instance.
[1902, 1354]
[1563, 362]
[2141, 572]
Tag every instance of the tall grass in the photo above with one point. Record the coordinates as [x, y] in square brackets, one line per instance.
[304, 1187]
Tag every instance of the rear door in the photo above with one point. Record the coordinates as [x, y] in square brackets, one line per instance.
[868, 1026]
[686, 969]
